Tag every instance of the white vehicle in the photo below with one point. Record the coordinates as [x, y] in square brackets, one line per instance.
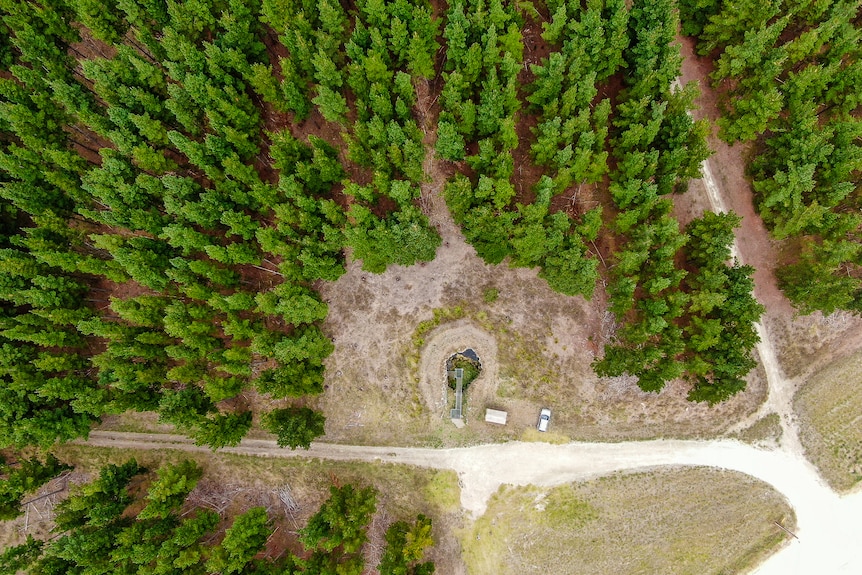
[544, 419]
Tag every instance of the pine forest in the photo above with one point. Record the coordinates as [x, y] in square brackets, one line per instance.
[179, 179]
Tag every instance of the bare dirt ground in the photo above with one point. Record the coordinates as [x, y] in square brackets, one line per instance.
[546, 344]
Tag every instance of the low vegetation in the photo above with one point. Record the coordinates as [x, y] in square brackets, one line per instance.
[765, 431]
[707, 521]
[828, 406]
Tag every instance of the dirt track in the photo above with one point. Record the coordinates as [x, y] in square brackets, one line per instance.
[829, 540]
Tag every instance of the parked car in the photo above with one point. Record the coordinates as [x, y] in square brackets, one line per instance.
[544, 419]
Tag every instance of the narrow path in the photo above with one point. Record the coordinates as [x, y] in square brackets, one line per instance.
[824, 518]
[432, 200]
[779, 399]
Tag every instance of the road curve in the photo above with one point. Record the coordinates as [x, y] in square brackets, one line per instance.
[828, 537]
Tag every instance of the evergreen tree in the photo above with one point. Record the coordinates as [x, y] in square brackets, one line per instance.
[295, 426]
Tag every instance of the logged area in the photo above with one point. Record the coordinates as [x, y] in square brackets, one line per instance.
[164, 509]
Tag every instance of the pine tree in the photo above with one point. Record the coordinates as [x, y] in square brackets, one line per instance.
[295, 426]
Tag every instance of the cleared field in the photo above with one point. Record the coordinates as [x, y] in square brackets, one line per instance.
[232, 484]
[829, 406]
[669, 521]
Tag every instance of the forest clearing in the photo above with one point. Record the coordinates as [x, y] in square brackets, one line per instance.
[230, 221]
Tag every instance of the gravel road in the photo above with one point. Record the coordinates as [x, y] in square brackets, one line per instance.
[828, 530]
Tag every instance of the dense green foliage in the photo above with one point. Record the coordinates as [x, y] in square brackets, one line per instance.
[295, 426]
[374, 66]
[657, 146]
[22, 477]
[133, 151]
[480, 104]
[790, 76]
[645, 128]
[171, 191]
[405, 547]
[100, 531]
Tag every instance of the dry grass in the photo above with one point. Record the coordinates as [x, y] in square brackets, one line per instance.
[37, 519]
[668, 521]
[232, 484]
[829, 406]
[765, 432]
[534, 435]
[805, 344]
[544, 359]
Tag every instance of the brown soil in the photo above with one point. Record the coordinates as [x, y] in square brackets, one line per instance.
[526, 174]
[803, 343]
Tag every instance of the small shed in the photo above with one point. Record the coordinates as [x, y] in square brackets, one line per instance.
[496, 416]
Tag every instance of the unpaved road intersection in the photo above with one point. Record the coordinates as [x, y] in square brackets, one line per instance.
[829, 536]
[829, 533]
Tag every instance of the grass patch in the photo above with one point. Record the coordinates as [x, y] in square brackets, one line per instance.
[471, 370]
[443, 491]
[441, 315]
[490, 295]
[829, 407]
[531, 434]
[670, 520]
[764, 430]
[402, 487]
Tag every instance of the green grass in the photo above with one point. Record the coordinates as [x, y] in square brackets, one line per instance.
[441, 315]
[829, 406]
[443, 491]
[764, 430]
[668, 521]
[471, 371]
[490, 295]
[531, 434]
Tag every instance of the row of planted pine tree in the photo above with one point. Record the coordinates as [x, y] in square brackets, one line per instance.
[177, 176]
[789, 74]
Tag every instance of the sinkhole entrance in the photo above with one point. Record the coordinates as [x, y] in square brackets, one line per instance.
[461, 369]
[469, 362]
